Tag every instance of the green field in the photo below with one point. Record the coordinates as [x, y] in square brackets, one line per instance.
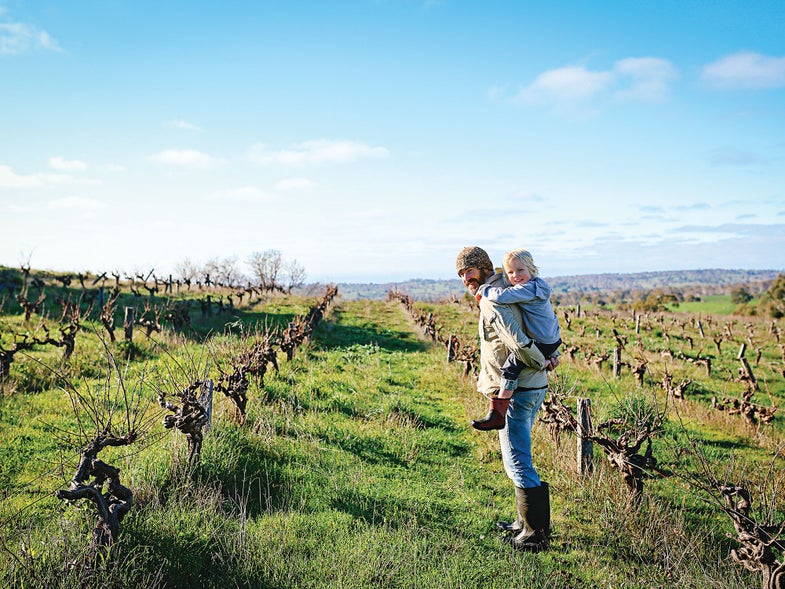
[709, 305]
[356, 465]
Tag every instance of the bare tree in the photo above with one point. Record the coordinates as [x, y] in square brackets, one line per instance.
[224, 272]
[759, 532]
[187, 271]
[101, 425]
[19, 344]
[266, 268]
[107, 313]
[295, 274]
[191, 416]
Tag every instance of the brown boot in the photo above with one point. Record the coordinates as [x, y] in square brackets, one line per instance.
[534, 519]
[496, 418]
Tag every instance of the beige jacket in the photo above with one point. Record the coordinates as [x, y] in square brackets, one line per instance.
[500, 334]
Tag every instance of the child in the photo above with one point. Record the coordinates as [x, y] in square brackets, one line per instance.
[532, 293]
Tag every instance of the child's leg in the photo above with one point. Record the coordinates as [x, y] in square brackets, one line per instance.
[512, 367]
[497, 413]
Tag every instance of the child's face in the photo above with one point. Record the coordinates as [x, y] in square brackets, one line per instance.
[517, 273]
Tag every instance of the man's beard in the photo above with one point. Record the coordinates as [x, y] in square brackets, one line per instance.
[474, 284]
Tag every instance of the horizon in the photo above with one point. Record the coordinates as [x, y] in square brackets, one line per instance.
[430, 279]
[370, 141]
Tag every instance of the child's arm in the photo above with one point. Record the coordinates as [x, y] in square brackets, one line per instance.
[511, 369]
[519, 293]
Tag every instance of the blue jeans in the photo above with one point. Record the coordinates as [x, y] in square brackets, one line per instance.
[516, 437]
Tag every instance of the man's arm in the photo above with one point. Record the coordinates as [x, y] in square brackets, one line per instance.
[505, 323]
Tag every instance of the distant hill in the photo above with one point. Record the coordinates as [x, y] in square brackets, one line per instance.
[710, 281]
[418, 288]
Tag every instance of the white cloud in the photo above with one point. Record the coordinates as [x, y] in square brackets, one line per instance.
[241, 194]
[318, 151]
[184, 125]
[60, 179]
[19, 210]
[632, 78]
[746, 69]
[496, 92]
[16, 38]
[185, 158]
[163, 224]
[566, 84]
[76, 202]
[650, 77]
[294, 184]
[65, 165]
[10, 179]
[369, 214]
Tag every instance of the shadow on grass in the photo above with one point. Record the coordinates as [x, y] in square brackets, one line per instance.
[271, 478]
[235, 321]
[424, 421]
[334, 336]
[384, 510]
[728, 444]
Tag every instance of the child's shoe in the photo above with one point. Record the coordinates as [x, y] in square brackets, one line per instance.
[497, 415]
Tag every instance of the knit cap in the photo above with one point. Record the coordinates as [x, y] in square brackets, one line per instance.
[473, 257]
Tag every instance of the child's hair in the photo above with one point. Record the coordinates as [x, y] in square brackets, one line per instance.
[525, 258]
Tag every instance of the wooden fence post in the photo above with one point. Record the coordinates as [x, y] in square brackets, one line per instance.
[585, 446]
[206, 401]
[128, 323]
[617, 362]
[747, 373]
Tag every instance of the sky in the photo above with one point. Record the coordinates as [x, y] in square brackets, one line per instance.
[370, 140]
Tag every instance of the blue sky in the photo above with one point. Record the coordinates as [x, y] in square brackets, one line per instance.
[370, 140]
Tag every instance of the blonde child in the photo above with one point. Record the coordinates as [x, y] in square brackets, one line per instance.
[532, 294]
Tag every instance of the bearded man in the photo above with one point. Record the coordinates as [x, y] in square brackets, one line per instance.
[501, 333]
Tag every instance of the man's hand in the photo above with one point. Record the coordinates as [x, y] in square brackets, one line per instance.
[552, 363]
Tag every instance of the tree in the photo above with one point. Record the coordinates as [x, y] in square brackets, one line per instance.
[773, 301]
[224, 271]
[655, 301]
[739, 295]
[266, 267]
[295, 275]
[187, 271]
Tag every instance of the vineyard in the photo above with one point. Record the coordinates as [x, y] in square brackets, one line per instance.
[158, 434]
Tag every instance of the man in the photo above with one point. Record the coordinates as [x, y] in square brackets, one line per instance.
[501, 334]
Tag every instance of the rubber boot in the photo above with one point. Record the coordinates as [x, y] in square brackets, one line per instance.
[496, 418]
[533, 525]
[512, 527]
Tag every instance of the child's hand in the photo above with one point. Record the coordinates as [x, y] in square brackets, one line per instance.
[552, 363]
[478, 296]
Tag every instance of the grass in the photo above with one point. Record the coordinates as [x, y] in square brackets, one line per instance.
[708, 305]
[356, 467]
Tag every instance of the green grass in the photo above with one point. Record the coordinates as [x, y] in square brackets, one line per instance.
[356, 467]
[710, 305]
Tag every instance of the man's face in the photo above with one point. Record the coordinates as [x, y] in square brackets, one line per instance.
[473, 278]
